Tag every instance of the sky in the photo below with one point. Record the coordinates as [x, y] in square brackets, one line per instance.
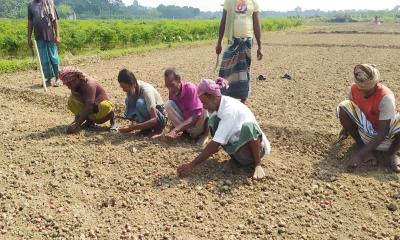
[280, 5]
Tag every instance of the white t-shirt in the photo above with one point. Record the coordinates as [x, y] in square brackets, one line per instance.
[233, 114]
[243, 16]
[150, 95]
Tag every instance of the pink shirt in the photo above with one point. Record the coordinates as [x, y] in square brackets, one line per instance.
[187, 100]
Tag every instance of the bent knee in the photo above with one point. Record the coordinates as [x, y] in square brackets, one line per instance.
[169, 105]
[140, 103]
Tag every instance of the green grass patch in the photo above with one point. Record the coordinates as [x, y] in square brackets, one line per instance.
[113, 38]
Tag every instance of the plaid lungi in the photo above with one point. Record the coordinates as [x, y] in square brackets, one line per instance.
[235, 67]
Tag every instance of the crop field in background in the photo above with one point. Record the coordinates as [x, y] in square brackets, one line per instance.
[84, 35]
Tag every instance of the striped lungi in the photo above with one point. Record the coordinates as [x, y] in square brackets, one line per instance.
[175, 113]
[235, 67]
[365, 128]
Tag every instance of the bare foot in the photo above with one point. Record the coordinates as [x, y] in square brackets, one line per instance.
[58, 83]
[353, 164]
[114, 128]
[202, 141]
[371, 158]
[356, 161]
[228, 165]
[394, 162]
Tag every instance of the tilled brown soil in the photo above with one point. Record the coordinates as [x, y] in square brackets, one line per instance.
[102, 185]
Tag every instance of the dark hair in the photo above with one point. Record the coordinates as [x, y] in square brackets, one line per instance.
[172, 71]
[126, 76]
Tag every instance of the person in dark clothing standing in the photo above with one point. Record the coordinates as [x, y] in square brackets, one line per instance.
[43, 21]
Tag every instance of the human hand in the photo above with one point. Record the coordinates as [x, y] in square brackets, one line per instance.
[30, 43]
[127, 129]
[218, 49]
[173, 134]
[343, 134]
[58, 40]
[184, 170]
[259, 54]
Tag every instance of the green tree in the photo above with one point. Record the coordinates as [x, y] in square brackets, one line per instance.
[153, 13]
[64, 10]
[177, 12]
[11, 8]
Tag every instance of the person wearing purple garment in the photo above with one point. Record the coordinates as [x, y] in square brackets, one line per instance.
[185, 109]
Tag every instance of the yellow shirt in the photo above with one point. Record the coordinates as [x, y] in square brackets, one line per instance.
[242, 14]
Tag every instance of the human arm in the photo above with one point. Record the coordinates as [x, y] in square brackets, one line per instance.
[56, 28]
[83, 116]
[127, 129]
[186, 169]
[255, 152]
[382, 129]
[387, 111]
[193, 106]
[257, 33]
[218, 49]
[57, 32]
[87, 95]
[30, 28]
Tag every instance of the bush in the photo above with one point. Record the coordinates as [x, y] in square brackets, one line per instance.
[93, 35]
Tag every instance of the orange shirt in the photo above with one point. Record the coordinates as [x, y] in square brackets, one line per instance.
[370, 106]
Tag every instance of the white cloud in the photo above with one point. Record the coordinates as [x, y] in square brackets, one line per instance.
[280, 5]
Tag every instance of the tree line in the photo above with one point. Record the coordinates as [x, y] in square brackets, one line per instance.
[116, 9]
[101, 9]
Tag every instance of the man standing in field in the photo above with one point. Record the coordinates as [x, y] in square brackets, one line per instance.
[240, 21]
[43, 19]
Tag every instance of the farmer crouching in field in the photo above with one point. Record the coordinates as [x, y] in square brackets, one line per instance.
[185, 109]
[143, 105]
[240, 21]
[370, 117]
[233, 126]
[88, 101]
